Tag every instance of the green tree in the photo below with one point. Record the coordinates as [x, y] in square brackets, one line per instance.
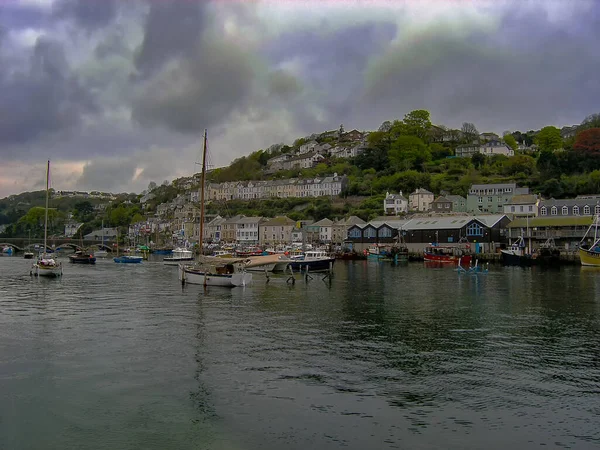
[83, 211]
[417, 123]
[478, 160]
[408, 152]
[549, 138]
[469, 132]
[510, 140]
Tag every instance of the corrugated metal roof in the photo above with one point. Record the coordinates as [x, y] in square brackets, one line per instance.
[552, 222]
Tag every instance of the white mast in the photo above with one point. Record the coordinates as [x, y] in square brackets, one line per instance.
[46, 215]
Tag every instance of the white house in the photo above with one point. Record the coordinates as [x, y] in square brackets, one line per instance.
[496, 148]
[246, 231]
[523, 205]
[394, 204]
[325, 230]
[278, 159]
[71, 228]
[304, 161]
[421, 200]
[307, 147]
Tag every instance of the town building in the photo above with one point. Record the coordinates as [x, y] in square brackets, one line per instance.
[246, 230]
[324, 231]
[580, 206]
[229, 229]
[71, 228]
[459, 203]
[491, 198]
[340, 228]
[523, 205]
[213, 230]
[566, 231]
[394, 204]
[276, 231]
[488, 148]
[420, 200]
[441, 205]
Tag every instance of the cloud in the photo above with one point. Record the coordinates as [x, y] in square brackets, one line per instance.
[42, 98]
[88, 14]
[128, 87]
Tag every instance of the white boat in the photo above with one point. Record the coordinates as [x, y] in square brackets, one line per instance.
[46, 266]
[180, 254]
[211, 271]
[100, 253]
[222, 254]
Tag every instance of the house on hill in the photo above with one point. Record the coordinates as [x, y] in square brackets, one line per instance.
[420, 200]
[394, 204]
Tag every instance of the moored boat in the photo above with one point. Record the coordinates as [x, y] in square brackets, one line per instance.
[128, 259]
[227, 272]
[180, 254]
[446, 255]
[516, 255]
[312, 261]
[46, 266]
[81, 257]
[589, 252]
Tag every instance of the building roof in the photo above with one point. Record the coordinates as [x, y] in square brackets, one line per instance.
[234, 219]
[349, 221]
[422, 191]
[323, 223]
[494, 186]
[456, 198]
[523, 199]
[279, 221]
[451, 222]
[552, 222]
[250, 220]
[443, 199]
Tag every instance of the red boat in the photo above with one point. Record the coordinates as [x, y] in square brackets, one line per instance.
[450, 255]
[255, 251]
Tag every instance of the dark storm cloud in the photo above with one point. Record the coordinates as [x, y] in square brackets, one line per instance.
[192, 77]
[88, 14]
[283, 85]
[42, 98]
[527, 74]
[172, 30]
[16, 16]
[332, 65]
[112, 175]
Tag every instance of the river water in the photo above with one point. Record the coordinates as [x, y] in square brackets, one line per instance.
[123, 357]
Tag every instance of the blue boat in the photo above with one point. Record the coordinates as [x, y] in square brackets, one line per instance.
[128, 259]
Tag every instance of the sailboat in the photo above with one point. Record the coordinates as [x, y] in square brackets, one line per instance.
[101, 252]
[46, 266]
[590, 254]
[81, 256]
[28, 254]
[213, 271]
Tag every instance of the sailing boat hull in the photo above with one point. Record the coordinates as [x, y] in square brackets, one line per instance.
[589, 258]
[40, 270]
[190, 275]
[509, 258]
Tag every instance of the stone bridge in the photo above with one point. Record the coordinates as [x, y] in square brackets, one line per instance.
[22, 244]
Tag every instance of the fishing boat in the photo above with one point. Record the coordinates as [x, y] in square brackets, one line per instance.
[46, 266]
[211, 271]
[516, 254]
[100, 253]
[180, 254]
[446, 255]
[81, 257]
[222, 254]
[547, 254]
[589, 252]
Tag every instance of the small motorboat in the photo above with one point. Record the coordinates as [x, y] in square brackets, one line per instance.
[128, 259]
[28, 255]
[80, 257]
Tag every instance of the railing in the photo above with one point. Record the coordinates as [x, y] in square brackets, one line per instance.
[545, 234]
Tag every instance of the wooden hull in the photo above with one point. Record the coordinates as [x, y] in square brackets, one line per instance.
[176, 261]
[589, 258]
[465, 260]
[195, 276]
[268, 267]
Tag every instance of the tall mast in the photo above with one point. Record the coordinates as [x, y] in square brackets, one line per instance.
[202, 181]
[46, 215]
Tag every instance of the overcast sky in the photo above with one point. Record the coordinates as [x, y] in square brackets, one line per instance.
[116, 93]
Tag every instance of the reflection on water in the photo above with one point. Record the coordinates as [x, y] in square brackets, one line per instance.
[380, 357]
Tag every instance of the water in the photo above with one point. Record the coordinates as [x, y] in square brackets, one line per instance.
[122, 357]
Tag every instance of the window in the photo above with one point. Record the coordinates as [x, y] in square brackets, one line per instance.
[597, 209]
[354, 233]
[520, 208]
[530, 208]
[370, 232]
[575, 210]
[586, 210]
[480, 199]
[565, 211]
[554, 211]
[474, 230]
[490, 199]
[512, 209]
[385, 232]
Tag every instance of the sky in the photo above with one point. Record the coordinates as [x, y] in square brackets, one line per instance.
[117, 93]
